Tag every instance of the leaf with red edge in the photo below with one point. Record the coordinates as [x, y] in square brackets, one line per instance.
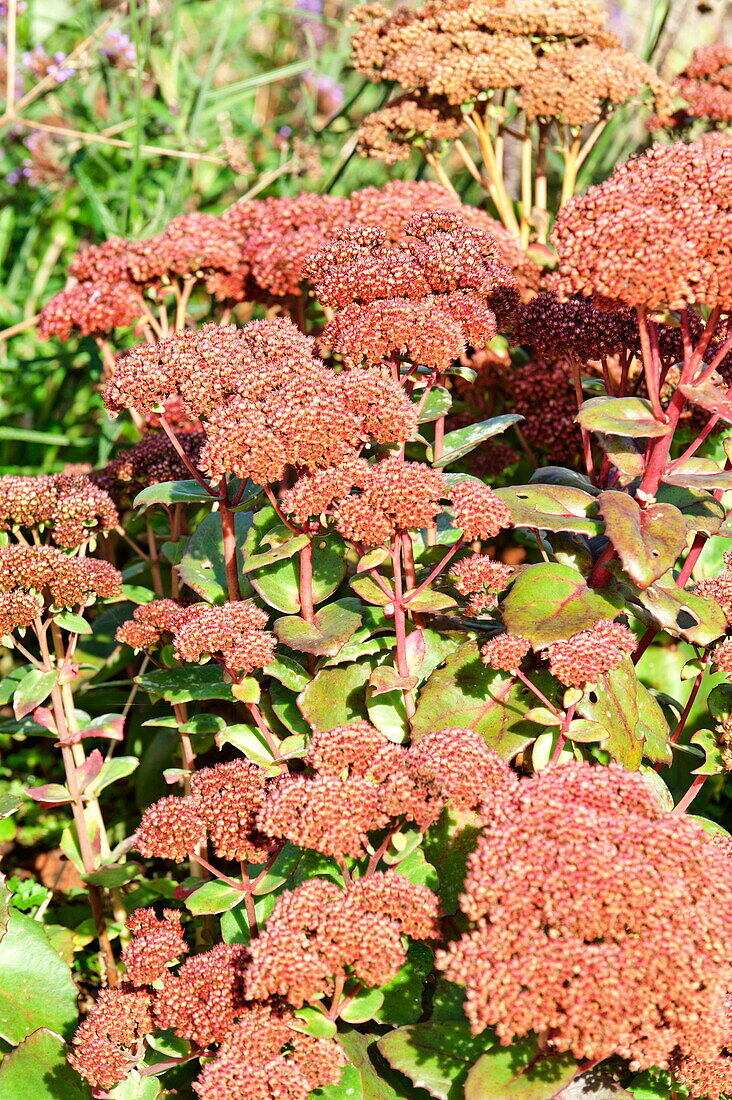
[35, 686]
[710, 398]
[109, 726]
[550, 602]
[648, 540]
[327, 634]
[625, 416]
[50, 794]
[90, 769]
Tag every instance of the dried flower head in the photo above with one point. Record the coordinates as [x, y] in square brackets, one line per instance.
[655, 234]
[574, 328]
[395, 496]
[104, 1042]
[505, 651]
[319, 932]
[389, 134]
[155, 944]
[232, 631]
[204, 999]
[598, 919]
[266, 1057]
[478, 511]
[62, 581]
[72, 506]
[586, 656]
[170, 829]
[228, 798]
[481, 578]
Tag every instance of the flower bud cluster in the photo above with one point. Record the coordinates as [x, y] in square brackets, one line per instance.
[61, 581]
[71, 506]
[481, 578]
[151, 461]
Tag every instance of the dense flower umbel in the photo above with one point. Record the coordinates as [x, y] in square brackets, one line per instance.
[228, 798]
[574, 328]
[61, 580]
[104, 1044]
[478, 511]
[395, 495]
[560, 58]
[155, 944]
[600, 920]
[318, 932]
[232, 631]
[505, 651]
[170, 829]
[655, 234]
[72, 506]
[268, 402]
[585, 656]
[459, 764]
[151, 623]
[427, 298]
[389, 133]
[480, 578]
[706, 85]
[203, 1000]
[18, 610]
[265, 1057]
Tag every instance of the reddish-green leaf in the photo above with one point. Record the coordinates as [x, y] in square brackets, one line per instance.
[681, 613]
[327, 634]
[612, 703]
[627, 416]
[711, 398]
[38, 1070]
[435, 1056]
[647, 540]
[548, 603]
[35, 686]
[552, 508]
[518, 1072]
[336, 696]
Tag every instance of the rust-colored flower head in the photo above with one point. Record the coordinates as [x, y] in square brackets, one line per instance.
[389, 134]
[318, 932]
[203, 1000]
[152, 460]
[585, 656]
[395, 495]
[266, 1057]
[599, 919]
[228, 798]
[722, 656]
[62, 581]
[18, 610]
[155, 944]
[428, 297]
[232, 631]
[719, 589]
[170, 829]
[479, 513]
[71, 506]
[655, 234]
[706, 86]
[459, 764]
[315, 493]
[505, 651]
[480, 578]
[326, 813]
[90, 308]
[151, 624]
[104, 1042]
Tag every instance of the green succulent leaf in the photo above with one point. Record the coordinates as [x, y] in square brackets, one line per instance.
[186, 684]
[36, 988]
[436, 1056]
[552, 508]
[548, 603]
[624, 416]
[38, 1068]
[327, 634]
[35, 686]
[519, 1073]
[464, 440]
[648, 540]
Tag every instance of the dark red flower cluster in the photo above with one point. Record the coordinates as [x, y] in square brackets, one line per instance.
[18, 610]
[71, 506]
[151, 461]
[267, 401]
[427, 298]
[655, 234]
[574, 328]
[318, 932]
[585, 656]
[61, 580]
[600, 921]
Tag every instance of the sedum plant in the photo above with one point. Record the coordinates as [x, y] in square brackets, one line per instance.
[415, 805]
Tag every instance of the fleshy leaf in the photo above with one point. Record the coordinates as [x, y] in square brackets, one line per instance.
[35, 686]
[551, 508]
[36, 989]
[327, 634]
[464, 440]
[647, 540]
[518, 1073]
[38, 1070]
[435, 1055]
[185, 684]
[202, 566]
[336, 696]
[612, 703]
[709, 744]
[548, 603]
[627, 416]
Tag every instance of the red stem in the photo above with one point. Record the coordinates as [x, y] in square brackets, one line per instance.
[228, 530]
[693, 791]
[306, 582]
[400, 623]
[184, 457]
[435, 572]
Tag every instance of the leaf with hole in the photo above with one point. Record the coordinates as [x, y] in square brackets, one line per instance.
[552, 508]
[612, 705]
[648, 540]
[681, 613]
